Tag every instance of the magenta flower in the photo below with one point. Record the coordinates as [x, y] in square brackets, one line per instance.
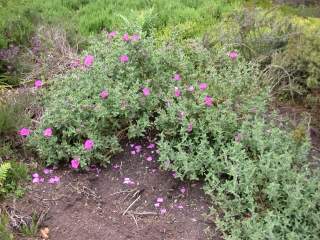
[146, 91]
[104, 94]
[24, 132]
[38, 84]
[203, 86]
[126, 37]
[208, 101]
[88, 144]
[75, 163]
[190, 126]
[47, 132]
[112, 34]
[88, 60]
[135, 37]
[233, 55]
[190, 88]
[124, 58]
[177, 92]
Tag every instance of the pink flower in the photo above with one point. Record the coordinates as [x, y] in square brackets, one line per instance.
[190, 88]
[112, 34]
[233, 55]
[177, 92]
[124, 58]
[190, 126]
[151, 146]
[160, 200]
[182, 189]
[54, 179]
[24, 132]
[47, 132]
[37, 84]
[104, 94]
[88, 144]
[203, 86]
[135, 37]
[146, 91]
[157, 205]
[149, 159]
[47, 171]
[133, 152]
[75, 163]
[163, 211]
[88, 60]
[126, 37]
[208, 101]
[177, 77]
[180, 207]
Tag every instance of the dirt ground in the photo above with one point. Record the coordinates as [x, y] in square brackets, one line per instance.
[99, 206]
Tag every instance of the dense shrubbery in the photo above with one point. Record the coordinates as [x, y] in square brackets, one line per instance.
[208, 111]
[285, 47]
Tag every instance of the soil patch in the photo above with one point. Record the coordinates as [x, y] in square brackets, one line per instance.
[99, 205]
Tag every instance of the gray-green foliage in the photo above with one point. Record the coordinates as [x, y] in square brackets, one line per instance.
[254, 170]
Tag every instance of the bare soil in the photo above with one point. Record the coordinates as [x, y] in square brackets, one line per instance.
[92, 205]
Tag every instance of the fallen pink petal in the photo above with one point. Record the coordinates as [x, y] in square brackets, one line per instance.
[160, 200]
[182, 189]
[157, 205]
[149, 159]
[163, 211]
[191, 89]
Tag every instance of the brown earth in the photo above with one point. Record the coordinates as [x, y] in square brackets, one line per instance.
[91, 206]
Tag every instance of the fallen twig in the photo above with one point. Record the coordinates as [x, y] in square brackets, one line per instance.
[128, 208]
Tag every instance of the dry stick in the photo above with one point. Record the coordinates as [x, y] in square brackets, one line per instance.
[128, 208]
[144, 213]
[135, 220]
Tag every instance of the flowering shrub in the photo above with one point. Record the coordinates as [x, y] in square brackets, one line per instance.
[207, 107]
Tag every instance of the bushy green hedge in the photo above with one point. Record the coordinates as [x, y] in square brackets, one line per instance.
[255, 171]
